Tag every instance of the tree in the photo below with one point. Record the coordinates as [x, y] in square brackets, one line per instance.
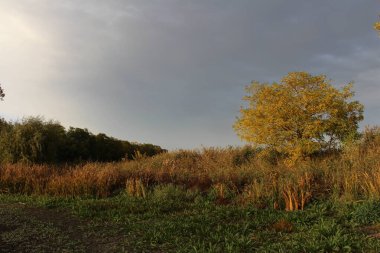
[2, 95]
[79, 145]
[6, 141]
[376, 26]
[28, 138]
[299, 116]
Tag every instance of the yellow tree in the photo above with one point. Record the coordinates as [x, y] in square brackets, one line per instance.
[300, 115]
[376, 26]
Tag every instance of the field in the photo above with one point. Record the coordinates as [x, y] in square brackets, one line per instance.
[172, 221]
[210, 200]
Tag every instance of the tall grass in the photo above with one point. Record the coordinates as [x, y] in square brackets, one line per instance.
[99, 180]
[231, 175]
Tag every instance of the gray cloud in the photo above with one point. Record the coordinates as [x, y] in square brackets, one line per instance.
[173, 72]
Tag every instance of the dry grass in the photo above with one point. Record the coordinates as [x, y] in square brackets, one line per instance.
[238, 173]
[135, 187]
[283, 226]
[99, 180]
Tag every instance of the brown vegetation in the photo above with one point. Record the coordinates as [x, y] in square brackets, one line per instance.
[238, 175]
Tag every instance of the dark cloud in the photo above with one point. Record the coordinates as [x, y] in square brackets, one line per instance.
[173, 72]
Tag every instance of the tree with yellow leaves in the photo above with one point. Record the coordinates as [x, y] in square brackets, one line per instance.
[376, 26]
[299, 116]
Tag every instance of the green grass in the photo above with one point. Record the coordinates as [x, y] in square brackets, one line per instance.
[171, 219]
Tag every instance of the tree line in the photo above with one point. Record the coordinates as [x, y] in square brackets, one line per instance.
[34, 140]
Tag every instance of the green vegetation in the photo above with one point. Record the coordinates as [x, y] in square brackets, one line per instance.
[171, 219]
[34, 140]
[2, 95]
[210, 200]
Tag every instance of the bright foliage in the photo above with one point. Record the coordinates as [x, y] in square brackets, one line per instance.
[301, 115]
[376, 26]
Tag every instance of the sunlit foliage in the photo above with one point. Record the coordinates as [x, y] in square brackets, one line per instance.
[376, 26]
[299, 116]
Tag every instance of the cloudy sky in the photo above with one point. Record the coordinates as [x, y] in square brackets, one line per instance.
[173, 72]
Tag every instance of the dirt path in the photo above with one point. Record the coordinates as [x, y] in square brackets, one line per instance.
[32, 229]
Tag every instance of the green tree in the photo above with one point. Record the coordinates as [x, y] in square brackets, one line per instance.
[299, 116]
[53, 142]
[28, 140]
[108, 148]
[36, 141]
[79, 145]
[2, 94]
[6, 142]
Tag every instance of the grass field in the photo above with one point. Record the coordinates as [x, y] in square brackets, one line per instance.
[172, 220]
[210, 200]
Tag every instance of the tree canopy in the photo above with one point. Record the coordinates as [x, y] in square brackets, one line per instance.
[376, 26]
[299, 116]
[34, 140]
[1, 93]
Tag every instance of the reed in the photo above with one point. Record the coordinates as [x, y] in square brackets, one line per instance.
[242, 174]
[135, 187]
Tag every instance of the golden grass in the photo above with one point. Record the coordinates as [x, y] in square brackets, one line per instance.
[237, 173]
[98, 180]
[135, 187]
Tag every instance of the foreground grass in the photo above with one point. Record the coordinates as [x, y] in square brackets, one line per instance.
[170, 219]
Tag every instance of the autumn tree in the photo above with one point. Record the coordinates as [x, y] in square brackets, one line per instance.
[299, 116]
[377, 26]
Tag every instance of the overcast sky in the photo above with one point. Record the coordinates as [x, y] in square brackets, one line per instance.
[172, 72]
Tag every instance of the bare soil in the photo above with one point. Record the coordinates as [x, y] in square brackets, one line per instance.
[25, 228]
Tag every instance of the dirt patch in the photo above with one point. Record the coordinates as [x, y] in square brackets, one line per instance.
[4, 228]
[372, 231]
[25, 228]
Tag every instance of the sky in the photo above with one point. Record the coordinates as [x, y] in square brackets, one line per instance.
[173, 73]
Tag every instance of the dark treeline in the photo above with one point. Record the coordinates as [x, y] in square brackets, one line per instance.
[34, 140]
